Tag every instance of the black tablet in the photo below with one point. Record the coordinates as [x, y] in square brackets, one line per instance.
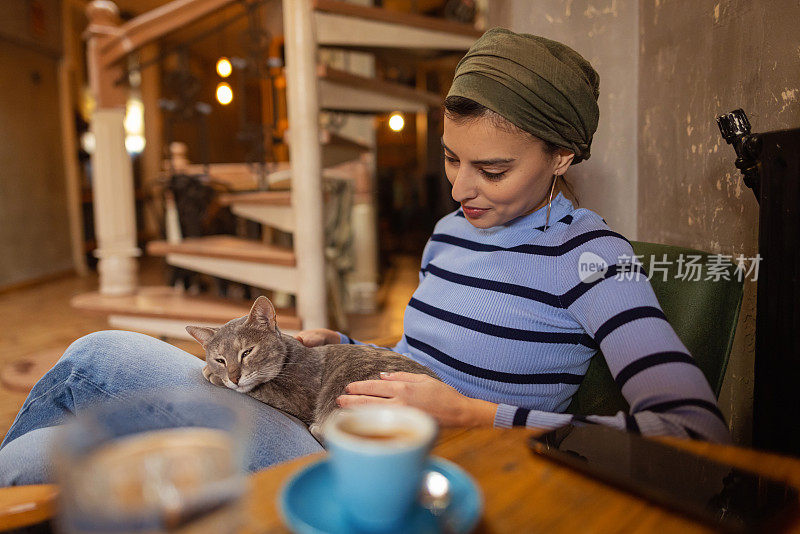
[724, 496]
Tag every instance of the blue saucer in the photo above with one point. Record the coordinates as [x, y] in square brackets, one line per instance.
[309, 505]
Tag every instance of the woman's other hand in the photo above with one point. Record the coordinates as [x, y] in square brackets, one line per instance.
[444, 403]
[317, 337]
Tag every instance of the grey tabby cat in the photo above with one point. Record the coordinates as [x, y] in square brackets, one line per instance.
[251, 355]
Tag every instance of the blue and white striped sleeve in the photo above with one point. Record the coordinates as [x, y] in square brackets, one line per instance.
[344, 339]
[667, 393]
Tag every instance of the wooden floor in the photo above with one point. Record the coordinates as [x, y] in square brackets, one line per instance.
[39, 318]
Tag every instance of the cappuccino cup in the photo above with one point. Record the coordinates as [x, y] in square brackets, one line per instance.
[377, 456]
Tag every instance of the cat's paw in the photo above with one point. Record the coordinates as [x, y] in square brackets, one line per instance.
[211, 378]
[207, 373]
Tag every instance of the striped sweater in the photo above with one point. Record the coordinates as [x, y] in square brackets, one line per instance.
[504, 314]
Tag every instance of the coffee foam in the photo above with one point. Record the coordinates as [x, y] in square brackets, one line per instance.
[381, 428]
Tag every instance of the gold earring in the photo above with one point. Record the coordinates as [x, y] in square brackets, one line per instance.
[550, 201]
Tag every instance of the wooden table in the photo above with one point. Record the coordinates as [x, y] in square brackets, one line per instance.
[525, 493]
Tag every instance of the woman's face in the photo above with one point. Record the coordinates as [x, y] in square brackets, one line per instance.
[497, 175]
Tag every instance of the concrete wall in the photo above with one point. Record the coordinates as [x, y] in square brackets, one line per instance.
[34, 227]
[697, 60]
[32, 24]
[606, 33]
[660, 170]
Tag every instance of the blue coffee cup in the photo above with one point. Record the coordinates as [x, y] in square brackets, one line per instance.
[377, 455]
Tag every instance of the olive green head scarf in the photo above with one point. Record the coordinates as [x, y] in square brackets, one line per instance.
[539, 85]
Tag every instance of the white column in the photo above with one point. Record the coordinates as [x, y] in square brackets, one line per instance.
[112, 174]
[362, 282]
[114, 204]
[305, 156]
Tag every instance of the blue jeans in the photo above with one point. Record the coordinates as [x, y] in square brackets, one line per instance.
[111, 364]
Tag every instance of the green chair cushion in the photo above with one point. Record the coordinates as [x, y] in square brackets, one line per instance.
[702, 312]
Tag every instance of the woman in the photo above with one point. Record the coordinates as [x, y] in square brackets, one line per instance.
[502, 313]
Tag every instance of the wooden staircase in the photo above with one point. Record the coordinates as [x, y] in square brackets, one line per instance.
[233, 258]
[272, 208]
[307, 27]
[343, 91]
[350, 26]
[336, 149]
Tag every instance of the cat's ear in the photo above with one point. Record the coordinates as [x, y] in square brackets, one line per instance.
[202, 334]
[262, 313]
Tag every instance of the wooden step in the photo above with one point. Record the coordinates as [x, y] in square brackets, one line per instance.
[272, 208]
[344, 25]
[258, 198]
[236, 176]
[336, 149]
[233, 258]
[344, 91]
[225, 247]
[165, 311]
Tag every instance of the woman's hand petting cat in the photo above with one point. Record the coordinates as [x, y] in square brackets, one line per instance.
[444, 403]
[317, 337]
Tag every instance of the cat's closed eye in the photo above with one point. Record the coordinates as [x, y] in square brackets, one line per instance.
[219, 360]
[247, 352]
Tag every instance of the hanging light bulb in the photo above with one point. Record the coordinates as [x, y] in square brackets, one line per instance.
[134, 144]
[396, 122]
[224, 93]
[224, 67]
[134, 116]
[134, 125]
[88, 142]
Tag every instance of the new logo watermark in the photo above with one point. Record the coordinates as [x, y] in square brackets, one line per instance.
[591, 267]
[691, 267]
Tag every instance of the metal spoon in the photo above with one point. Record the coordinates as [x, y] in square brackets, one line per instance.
[435, 496]
[178, 511]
